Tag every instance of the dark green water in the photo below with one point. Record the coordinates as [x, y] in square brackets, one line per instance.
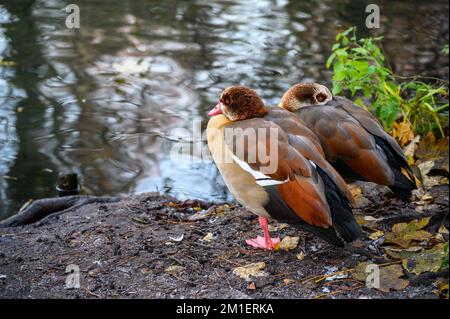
[98, 99]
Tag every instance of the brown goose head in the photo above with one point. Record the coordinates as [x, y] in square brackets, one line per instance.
[303, 94]
[239, 103]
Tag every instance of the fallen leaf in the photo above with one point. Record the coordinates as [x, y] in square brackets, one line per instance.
[94, 272]
[367, 221]
[403, 133]
[376, 235]
[222, 208]
[287, 281]
[429, 260]
[427, 197]
[289, 243]
[301, 256]
[402, 234]
[355, 190]
[410, 149]
[398, 253]
[208, 237]
[173, 204]
[425, 167]
[443, 230]
[203, 214]
[360, 200]
[430, 181]
[389, 276]
[439, 238]
[174, 269]
[429, 147]
[251, 270]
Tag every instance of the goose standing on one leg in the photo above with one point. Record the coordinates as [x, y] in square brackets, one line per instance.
[275, 168]
[353, 140]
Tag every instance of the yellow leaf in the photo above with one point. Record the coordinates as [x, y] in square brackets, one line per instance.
[289, 243]
[173, 204]
[403, 133]
[301, 256]
[376, 235]
[443, 230]
[367, 221]
[174, 269]
[402, 234]
[208, 237]
[251, 270]
[355, 190]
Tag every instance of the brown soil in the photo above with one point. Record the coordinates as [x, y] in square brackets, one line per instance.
[123, 250]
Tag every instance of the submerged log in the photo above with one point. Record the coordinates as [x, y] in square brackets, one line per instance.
[37, 210]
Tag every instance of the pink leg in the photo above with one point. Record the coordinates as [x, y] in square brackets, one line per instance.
[263, 242]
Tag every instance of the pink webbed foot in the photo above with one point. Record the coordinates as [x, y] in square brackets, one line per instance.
[263, 243]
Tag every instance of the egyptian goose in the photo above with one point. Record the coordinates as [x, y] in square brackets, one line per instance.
[274, 166]
[353, 140]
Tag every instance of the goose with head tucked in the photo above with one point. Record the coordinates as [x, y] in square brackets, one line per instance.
[354, 142]
[274, 166]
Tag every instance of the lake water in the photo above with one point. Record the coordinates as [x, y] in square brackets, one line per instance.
[107, 100]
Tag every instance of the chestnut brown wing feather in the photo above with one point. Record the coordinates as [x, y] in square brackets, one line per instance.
[308, 144]
[299, 187]
[344, 139]
[370, 123]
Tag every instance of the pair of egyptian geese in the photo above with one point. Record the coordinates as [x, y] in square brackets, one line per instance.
[289, 163]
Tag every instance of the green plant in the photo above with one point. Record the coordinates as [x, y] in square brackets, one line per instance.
[445, 49]
[360, 67]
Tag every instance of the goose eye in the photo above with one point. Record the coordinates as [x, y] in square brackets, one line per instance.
[226, 100]
[321, 97]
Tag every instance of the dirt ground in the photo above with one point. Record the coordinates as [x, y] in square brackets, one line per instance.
[152, 246]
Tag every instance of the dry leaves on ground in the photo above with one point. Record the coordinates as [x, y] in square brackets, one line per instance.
[390, 276]
[250, 270]
[289, 243]
[403, 234]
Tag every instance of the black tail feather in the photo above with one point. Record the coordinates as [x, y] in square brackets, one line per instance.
[405, 181]
[341, 211]
[278, 209]
[345, 227]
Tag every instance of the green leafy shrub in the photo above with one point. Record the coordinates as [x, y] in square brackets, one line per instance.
[360, 67]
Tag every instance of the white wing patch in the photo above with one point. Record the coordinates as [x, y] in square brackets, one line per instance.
[261, 179]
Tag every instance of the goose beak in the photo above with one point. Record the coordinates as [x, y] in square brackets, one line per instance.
[216, 110]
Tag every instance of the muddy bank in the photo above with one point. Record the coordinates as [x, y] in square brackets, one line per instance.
[152, 246]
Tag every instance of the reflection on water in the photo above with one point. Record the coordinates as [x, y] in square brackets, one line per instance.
[100, 99]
